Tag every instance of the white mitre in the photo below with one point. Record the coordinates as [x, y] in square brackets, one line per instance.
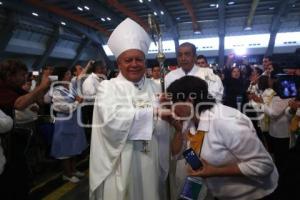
[128, 35]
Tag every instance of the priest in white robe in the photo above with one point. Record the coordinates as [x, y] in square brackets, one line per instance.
[129, 156]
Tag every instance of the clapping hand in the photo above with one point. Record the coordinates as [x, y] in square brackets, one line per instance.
[79, 99]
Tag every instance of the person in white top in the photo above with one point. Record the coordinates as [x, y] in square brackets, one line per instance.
[90, 84]
[186, 59]
[6, 124]
[278, 138]
[89, 91]
[202, 61]
[236, 165]
[156, 75]
[129, 152]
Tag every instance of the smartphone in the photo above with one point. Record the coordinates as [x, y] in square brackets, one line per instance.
[192, 158]
[191, 188]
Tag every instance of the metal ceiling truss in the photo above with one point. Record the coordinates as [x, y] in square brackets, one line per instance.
[50, 45]
[249, 21]
[123, 9]
[48, 17]
[221, 21]
[98, 10]
[283, 8]
[189, 7]
[67, 14]
[79, 51]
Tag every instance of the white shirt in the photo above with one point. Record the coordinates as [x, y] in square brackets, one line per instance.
[90, 85]
[215, 86]
[157, 81]
[231, 138]
[279, 120]
[6, 124]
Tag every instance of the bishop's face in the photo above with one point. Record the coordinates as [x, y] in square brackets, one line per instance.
[132, 64]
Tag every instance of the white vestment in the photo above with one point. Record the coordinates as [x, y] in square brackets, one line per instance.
[123, 119]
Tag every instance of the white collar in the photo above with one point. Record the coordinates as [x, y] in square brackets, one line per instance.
[191, 72]
[139, 85]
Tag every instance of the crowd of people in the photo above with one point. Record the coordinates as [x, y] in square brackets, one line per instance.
[235, 119]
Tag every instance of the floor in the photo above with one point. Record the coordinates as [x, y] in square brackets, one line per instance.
[52, 187]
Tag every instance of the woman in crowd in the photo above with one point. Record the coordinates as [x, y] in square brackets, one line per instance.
[278, 137]
[234, 89]
[68, 138]
[235, 163]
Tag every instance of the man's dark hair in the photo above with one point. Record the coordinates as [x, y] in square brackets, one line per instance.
[155, 66]
[60, 72]
[188, 44]
[96, 64]
[202, 57]
[191, 87]
[258, 70]
[10, 67]
[74, 68]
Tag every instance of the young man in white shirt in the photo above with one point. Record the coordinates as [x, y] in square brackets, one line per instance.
[156, 74]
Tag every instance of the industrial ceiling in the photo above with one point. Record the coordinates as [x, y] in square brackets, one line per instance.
[77, 29]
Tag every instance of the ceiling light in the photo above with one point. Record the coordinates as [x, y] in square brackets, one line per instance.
[35, 14]
[63, 23]
[178, 18]
[103, 19]
[79, 8]
[293, 5]
[217, 5]
[240, 51]
[162, 12]
[248, 28]
[149, 0]
[231, 3]
[108, 18]
[141, 1]
[1, 3]
[212, 5]
[271, 8]
[155, 13]
[86, 7]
